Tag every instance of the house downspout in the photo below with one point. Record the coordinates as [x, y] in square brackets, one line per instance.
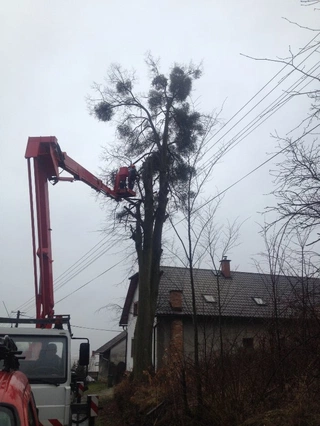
[125, 353]
[154, 346]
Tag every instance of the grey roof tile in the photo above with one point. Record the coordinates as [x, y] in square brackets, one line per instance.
[236, 293]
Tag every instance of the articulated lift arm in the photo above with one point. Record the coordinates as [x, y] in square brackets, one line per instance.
[48, 159]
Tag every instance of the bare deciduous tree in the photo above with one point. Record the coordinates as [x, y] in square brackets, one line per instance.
[200, 237]
[157, 131]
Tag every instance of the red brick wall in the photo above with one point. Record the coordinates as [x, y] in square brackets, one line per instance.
[176, 341]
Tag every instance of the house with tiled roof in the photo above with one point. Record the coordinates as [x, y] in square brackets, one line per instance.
[236, 308]
[112, 359]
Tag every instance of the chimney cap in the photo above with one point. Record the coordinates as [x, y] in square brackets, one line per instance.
[225, 259]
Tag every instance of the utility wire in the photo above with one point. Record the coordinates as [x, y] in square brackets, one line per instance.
[252, 171]
[30, 303]
[91, 328]
[90, 281]
[75, 274]
[246, 134]
[61, 276]
[270, 91]
[303, 50]
[85, 266]
[262, 117]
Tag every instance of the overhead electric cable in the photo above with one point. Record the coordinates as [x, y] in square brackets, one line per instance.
[97, 329]
[253, 170]
[84, 266]
[303, 50]
[246, 134]
[90, 281]
[242, 118]
[79, 260]
[263, 116]
[31, 304]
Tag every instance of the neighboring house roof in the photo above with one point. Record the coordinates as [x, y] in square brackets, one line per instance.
[245, 294]
[129, 298]
[113, 342]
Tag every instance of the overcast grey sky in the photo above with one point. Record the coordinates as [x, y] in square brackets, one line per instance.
[51, 53]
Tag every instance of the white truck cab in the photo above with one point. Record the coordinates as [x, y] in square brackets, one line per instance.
[47, 364]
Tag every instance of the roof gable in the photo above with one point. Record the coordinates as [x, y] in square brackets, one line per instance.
[129, 299]
[113, 342]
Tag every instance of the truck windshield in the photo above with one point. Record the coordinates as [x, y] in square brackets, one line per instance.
[6, 417]
[45, 357]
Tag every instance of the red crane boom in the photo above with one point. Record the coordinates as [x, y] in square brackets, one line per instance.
[48, 159]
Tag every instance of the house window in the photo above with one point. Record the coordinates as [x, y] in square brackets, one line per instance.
[132, 348]
[259, 301]
[247, 342]
[209, 298]
[135, 309]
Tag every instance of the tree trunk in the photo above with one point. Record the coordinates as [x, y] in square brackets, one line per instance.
[148, 245]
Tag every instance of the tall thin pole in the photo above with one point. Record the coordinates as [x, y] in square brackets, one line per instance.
[33, 241]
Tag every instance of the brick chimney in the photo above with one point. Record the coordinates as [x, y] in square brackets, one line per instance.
[176, 300]
[225, 267]
[176, 339]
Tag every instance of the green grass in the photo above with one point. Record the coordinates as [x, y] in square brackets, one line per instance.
[96, 387]
[100, 388]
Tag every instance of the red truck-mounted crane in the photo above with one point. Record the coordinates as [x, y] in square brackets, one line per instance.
[48, 160]
[46, 351]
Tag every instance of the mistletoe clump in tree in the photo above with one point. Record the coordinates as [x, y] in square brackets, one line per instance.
[158, 130]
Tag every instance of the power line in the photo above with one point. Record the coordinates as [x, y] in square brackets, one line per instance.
[91, 328]
[85, 266]
[90, 281]
[303, 50]
[82, 257]
[30, 303]
[253, 170]
[6, 308]
[258, 121]
[209, 161]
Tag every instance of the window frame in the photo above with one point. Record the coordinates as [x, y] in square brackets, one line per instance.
[259, 301]
[12, 412]
[34, 338]
[207, 298]
[135, 308]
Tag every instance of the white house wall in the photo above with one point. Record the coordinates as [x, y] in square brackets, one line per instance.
[117, 352]
[130, 330]
[94, 364]
[130, 333]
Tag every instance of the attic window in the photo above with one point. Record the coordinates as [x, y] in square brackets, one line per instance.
[259, 301]
[209, 298]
